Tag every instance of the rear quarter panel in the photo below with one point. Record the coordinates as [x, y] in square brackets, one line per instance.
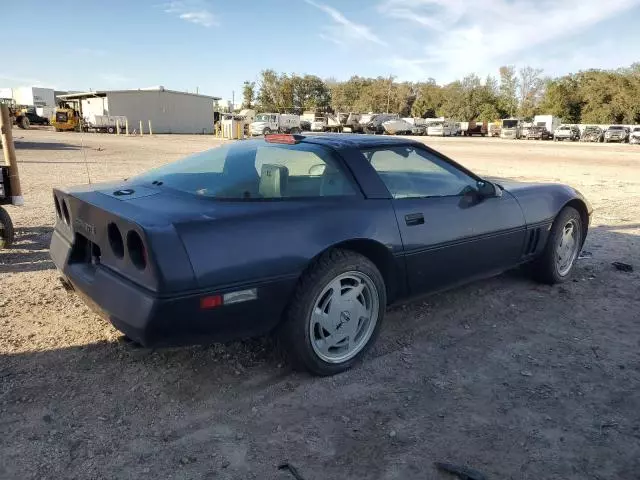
[271, 240]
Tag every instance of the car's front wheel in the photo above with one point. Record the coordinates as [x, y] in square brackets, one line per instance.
[562, 249]
[335, 313]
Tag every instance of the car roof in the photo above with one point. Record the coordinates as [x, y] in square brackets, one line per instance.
[342, 140]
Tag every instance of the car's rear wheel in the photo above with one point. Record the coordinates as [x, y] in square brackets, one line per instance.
[335, 313]
[563, 246]
[266, 131]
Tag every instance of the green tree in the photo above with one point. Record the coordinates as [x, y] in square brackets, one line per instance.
[429, 99]
[507, 92]
[248, 94]
[530, 89]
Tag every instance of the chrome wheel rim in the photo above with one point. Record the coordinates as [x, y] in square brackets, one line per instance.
[567, 248]
[344, 316]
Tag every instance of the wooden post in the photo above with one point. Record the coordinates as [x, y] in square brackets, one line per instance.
[10, 156]
[117, 126]
[141, 132]
[126, 126]
[150, 130]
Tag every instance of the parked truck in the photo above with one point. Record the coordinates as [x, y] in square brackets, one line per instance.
[266, 123]
[549, 122]
[468, 129]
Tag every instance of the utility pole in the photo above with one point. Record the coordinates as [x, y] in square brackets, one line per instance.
[233, 100]
[10, 155]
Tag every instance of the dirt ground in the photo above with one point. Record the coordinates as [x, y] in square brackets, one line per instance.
[515, 379]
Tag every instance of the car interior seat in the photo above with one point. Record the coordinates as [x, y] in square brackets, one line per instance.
[333, 182]
[273, 180]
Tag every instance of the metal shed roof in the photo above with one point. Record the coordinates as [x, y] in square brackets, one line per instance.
[104, 93]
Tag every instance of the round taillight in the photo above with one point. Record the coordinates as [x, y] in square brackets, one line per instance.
[57, 204]
[115, 240]
[137, 252]
[65, 212]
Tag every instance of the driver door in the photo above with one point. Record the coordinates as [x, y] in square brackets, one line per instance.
[450, 233]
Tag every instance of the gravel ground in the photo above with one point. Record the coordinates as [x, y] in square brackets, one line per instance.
[515, 379]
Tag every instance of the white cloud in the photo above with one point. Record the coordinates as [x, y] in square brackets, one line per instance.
[194, 11]
[460, 36]
[344, 29]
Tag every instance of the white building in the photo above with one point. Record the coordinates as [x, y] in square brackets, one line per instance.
[31, 96]
[169, 111]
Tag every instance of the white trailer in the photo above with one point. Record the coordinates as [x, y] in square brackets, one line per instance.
[105, 123]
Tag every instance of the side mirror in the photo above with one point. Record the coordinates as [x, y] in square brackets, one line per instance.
[487, 189]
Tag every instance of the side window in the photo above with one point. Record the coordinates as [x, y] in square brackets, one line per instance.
[295, 172]
[410, 172]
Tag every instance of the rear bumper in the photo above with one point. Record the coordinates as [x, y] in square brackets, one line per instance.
[154, 319]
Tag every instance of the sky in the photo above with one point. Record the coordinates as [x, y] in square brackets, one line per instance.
[213, 46]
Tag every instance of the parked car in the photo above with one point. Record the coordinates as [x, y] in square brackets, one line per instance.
[372, 123]
[566, 132]
[397, 126]
[266, 123]
[592, 134]
[634, 136]
[442, 128]
[616, 133]
[536, 132]
[305, 125]
[234, 241]
[34, 118]
[469, 129]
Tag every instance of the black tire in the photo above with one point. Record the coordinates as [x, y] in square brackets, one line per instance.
[111, 130]
[295, 130]
[6, 229]
[294, 331]
[545, 268]
[266, 131]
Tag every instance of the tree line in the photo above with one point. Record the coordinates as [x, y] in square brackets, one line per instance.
[592, 96]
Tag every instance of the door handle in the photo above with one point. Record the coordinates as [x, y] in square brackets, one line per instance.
[414, 219]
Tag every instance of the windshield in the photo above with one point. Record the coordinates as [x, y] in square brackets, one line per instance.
[636, 129]
[262, 118]
[254, 170]
[616, 127]
[564, 127]
[509, 123]
[436, 124]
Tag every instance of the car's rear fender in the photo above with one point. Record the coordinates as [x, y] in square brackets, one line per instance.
[280, 239]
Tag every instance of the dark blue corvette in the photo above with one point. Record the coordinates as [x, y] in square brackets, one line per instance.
[310, 236]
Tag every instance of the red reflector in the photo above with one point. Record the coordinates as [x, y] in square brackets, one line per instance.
[210, 302]
[285, 138]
